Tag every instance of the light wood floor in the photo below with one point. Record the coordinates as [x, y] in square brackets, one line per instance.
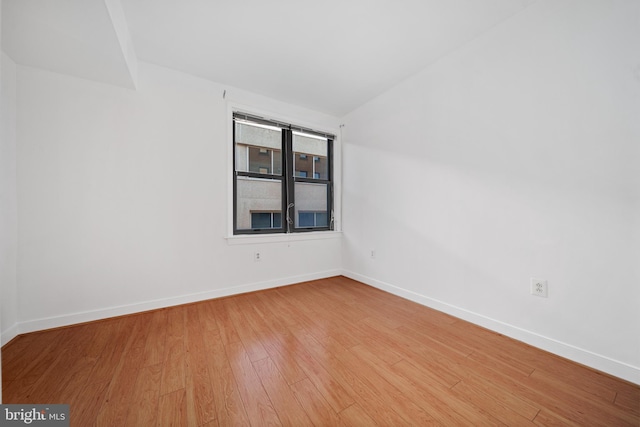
[324, 353]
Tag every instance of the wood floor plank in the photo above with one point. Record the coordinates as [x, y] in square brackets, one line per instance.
[21, 351]
[355, 416]
[86, 409]
[502, 396]
[115, 408]
[156, 340]
[383, 352]
[629, 401]
[507, 350]
[436, 335]
[325, 352]
[254, 397]
[284, 402]
[252, 343]
[51, 382]
[146, 396]
[78, 377]
[404, 405]
[497, 408]
[228, 332]
[173, 366]
[108, 360]
[574, 399]
[328, 319]
[317, 408]
[199, 396]
[22, 388]
[555, 401]
[172, 409]
[99, 336]
[230, 410]
[292, 300]
[365, 389]
[417, 354]
[206, 317]
[27, 357]
[424, 397]
[319, 369]
[548, 419]
[437, 398]
[277, 347]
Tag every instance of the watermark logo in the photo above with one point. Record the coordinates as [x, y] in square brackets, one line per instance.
[36, 415]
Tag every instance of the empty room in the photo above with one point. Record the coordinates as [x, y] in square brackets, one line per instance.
[298, 213]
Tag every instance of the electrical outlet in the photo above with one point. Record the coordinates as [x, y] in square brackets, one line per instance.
[539, 287]
[372, 253]
[257, 256]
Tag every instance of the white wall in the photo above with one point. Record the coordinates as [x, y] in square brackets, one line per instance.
[122, 198]
[516, 156]
[8, 200]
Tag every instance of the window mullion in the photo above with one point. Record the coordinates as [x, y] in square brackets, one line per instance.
[330, 184]
[289, 178]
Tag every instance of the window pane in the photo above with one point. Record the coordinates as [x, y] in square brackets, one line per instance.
[263, 160]
[303, 165]
[306, 219]
[257, 196]
[258, 148]
[310, 156]
[311, 205]
[322, 219]
[261, 220]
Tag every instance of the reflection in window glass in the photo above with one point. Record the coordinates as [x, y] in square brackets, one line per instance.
[312, 219]
[258, 148]
[261, 220]
[311, 205]
[310, 155]
[305, 219]
[258, 196]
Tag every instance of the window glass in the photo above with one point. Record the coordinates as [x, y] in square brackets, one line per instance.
[311, 198]
[306, 219]
[310, 155]
[322, 219]
[258, 148]
[261, 220]
[256, 196]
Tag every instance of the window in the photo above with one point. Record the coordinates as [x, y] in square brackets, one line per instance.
[262, 220]
[282, 177]
[312, 219]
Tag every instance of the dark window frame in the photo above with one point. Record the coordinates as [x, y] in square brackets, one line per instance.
[288, 178]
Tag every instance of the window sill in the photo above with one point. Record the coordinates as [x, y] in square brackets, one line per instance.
[276, 238]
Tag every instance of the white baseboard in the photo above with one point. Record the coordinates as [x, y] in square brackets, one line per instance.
[88, 316]
[8, 334]
[579, 355]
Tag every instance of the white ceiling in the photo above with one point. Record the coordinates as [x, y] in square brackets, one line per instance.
[330, 56]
